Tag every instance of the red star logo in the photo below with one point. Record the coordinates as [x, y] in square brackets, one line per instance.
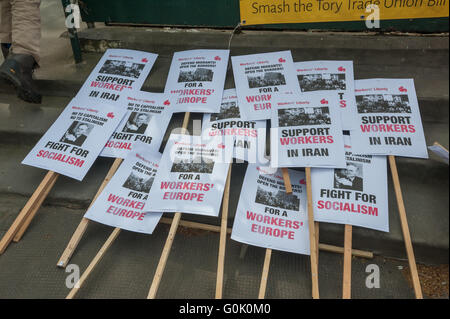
[144, 60]
[166, 102]
[217, 58]
[323, 101]
[281, 60]
[110, 115]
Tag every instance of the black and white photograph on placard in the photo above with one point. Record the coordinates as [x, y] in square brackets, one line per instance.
[116, 67]
[199, 75]
[137, 123]
[279, 199]
[139, 183]
[228, 110]
[350, 177]
[77, 133]
[383, 103]
[196, 165]
[304, 116]
[267, 79]
[324, 81]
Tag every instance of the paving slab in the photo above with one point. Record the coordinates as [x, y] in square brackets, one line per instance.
[126, 271]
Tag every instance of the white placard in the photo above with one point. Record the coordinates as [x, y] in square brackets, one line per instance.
[118, 73]
[146, 120]
[331, 76]
[439, 150]
[356, 195]
[192, 175]
[76, 138]
[122, 202]
[388, 120]
[250, 136]
[261, 77]
[196, 80]
[267, 216]
[306, 132]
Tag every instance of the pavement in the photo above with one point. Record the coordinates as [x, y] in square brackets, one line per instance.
[128, 268]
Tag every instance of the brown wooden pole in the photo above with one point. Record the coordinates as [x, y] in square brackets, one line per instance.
[405, 229]
[31, 206]
[79, 232]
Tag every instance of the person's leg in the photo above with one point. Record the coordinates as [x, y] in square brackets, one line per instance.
[5, 26]
[23, 56]
[26, 27]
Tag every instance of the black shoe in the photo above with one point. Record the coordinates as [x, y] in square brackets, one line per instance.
[18, 69]
[5, 49]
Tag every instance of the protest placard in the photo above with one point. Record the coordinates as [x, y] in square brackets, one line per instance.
[306, 132]
[122, 202]
[261, 77]
[388, 119]
[118, 73]
[356, 195]
[196, 80]
[250, 136]
[191, 176]
[267, 216]
[146, 121]
[331, 76]
[76, 138]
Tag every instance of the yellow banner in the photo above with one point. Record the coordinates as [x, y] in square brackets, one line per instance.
[303, 11]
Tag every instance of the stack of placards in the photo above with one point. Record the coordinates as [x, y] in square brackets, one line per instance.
[250, 136]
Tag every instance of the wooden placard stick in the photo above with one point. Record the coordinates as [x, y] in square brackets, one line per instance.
[405, 228]
[265, 274]
[287, 180]
[216, 229]
[347, 275]
[79, 232]
[170, 238]
[31, 206]
[223, 237]
[94, 263]
[312, 237]
[314, 247]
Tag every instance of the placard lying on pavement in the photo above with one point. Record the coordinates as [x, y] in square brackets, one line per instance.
[389, 120]
[250, 136]
[306, 131]
[267, 216]
[146, 120]
[196, 80]
[261, 77]
[73, 142]
[356, 195]
[118, 73]
[331, 76]
[192, 175]
[122, 203]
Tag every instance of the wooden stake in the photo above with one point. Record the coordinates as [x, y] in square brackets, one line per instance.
[405, 229]
[223, 237]
[35, 208]
[265, 274]
[163, 259]
[312, 237]
[347, 275]
[94, 263]
[31, 206]
[79, 232]
[287, 180]
[169, 241]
